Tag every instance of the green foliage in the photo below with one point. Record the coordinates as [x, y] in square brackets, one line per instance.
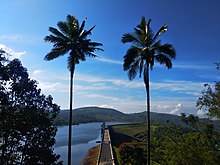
[132, 153]
[210, 99]
[198, 143]
[27, 130]
[130, 129]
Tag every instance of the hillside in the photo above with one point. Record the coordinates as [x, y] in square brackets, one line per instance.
[96, 114]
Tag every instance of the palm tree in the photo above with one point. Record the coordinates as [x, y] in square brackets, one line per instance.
[71, 38]
[140, 57]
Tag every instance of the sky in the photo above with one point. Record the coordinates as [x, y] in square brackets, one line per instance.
[193, 30]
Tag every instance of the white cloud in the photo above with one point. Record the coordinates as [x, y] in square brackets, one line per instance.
[12, 54]
[129, 84]
[47, 87]
[201, 113]
[38, 72]
[186, 87]
[192, 66]
[14, 38]
[110, 61]
[177, 109]
[100, 91]
[92, 87]
[19, 38]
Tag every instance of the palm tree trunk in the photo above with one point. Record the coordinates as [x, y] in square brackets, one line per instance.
[70, 115]
[147, 86]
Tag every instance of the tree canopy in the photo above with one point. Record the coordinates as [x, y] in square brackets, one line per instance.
[27, 130]
[210, 100]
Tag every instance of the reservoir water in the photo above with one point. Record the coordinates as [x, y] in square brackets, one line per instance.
[84, 137]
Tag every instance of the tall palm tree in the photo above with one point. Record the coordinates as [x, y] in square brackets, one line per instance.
[140, 57]
[70, 38]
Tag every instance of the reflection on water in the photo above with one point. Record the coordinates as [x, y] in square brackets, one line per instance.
[84, 137]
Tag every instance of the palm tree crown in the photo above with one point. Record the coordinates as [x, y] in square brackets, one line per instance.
[71, 38]
[146, 49]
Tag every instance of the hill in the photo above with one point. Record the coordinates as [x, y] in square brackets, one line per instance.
[96, 114]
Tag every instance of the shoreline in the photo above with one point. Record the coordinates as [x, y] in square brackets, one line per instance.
[91, 156]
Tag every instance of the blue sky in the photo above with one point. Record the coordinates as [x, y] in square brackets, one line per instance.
[193, 30]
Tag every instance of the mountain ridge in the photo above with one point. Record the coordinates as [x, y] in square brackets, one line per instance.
[98, 114]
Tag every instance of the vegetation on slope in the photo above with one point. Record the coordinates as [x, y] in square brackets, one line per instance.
[96, 114]
[198, 143]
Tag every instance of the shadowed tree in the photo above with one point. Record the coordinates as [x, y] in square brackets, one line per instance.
[27, 129]
[140, 57]
[71, 38]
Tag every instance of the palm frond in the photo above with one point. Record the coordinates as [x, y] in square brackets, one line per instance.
[146, 49]
[63, 28]
[87, 32]
[131, 56]
[72, 23]
[57, 33]
[72, 61]
[95, 45]
[168, 50]
[93, 55]
[82, 26]
[55, 52]
[129, 37]
[55, 40]
[134, 68]
[139, 32]
[162, 30]
[141, 67]
[71, 38]
[143, 25]
[163, 59]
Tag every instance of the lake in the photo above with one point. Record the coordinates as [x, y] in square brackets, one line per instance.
[84, 137]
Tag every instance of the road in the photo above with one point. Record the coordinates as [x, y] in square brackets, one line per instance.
[106, 152]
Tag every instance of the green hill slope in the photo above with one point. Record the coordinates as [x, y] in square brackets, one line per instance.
[96, 114]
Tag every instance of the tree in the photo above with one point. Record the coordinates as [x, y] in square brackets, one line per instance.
[199, 146]
[145, 50]
[210, 99]
[132, 153]
[27, 130]
[71, 38]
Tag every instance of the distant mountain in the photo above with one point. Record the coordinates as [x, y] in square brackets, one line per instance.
[96, 114]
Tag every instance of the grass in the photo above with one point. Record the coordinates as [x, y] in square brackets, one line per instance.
[116, 155]
[130, 129]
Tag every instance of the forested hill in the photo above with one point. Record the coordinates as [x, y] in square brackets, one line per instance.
[96, 114]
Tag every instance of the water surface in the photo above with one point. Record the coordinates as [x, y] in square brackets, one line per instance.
[84, 137]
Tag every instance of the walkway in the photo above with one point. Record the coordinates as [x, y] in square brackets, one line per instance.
[106, 150]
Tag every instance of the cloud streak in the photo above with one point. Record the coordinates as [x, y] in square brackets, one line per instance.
[119, 93]
[108, 60]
